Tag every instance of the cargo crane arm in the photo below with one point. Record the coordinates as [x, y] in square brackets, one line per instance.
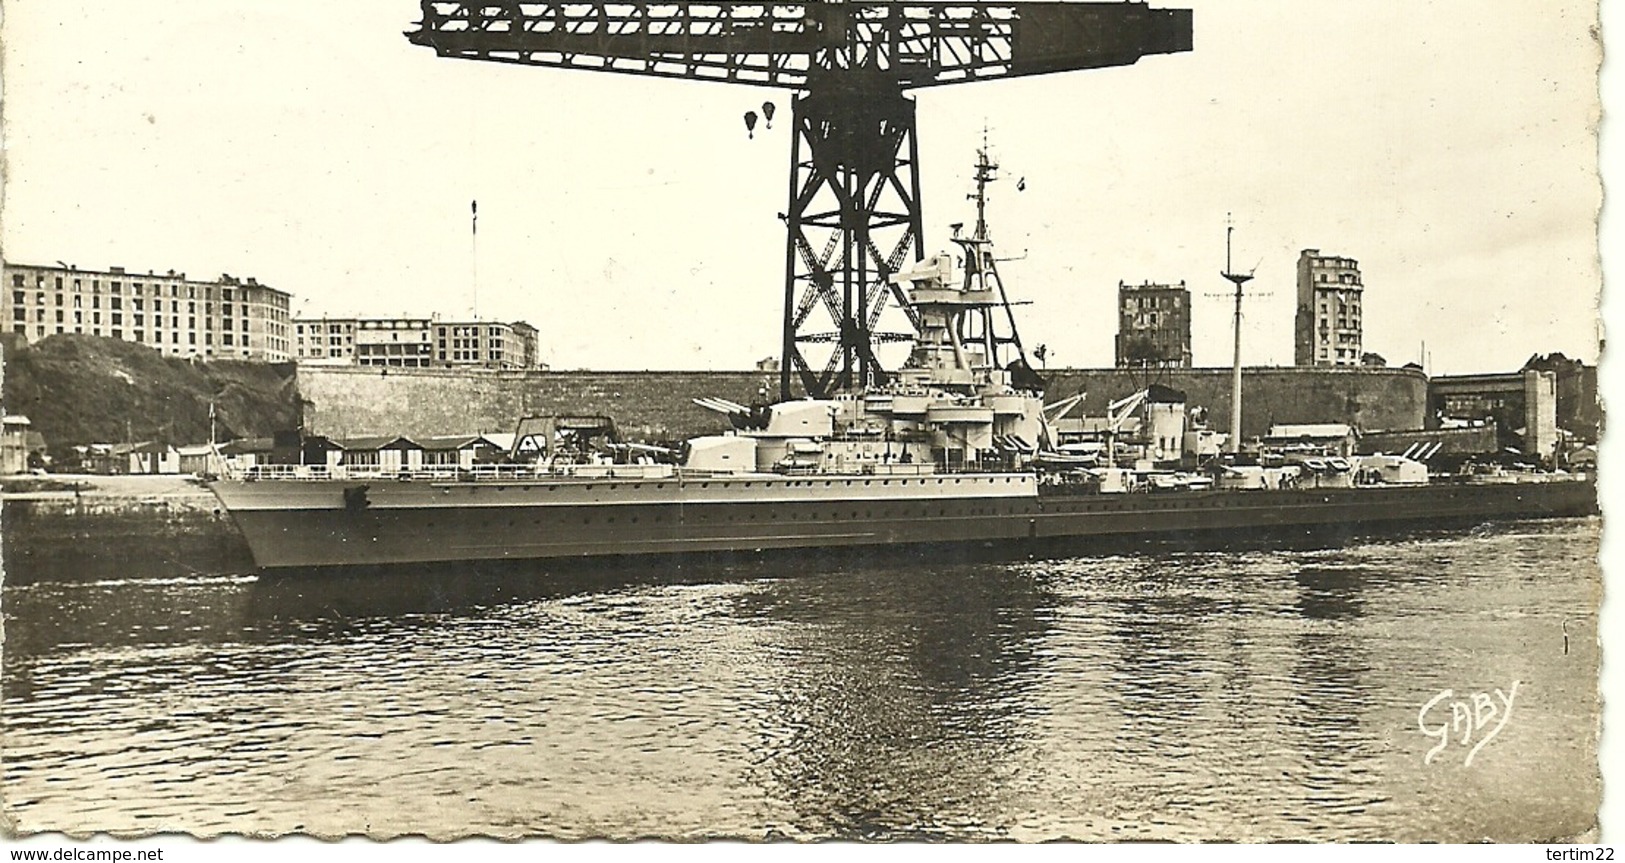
[1119, 411]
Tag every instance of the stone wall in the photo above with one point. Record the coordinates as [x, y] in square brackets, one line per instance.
[655, 405]
[1370, 399]
[341, 402]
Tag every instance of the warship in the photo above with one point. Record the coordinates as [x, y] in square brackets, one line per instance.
[956, 447]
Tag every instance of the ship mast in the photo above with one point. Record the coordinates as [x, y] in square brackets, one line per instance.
[1238, 279]
[981, 267]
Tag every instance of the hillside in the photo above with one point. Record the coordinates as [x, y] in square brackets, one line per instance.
[81, 389]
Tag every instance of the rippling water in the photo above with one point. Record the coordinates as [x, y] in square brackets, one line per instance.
[1158, 694]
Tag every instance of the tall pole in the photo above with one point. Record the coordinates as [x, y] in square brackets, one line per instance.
[1238, 279]
[474, 258]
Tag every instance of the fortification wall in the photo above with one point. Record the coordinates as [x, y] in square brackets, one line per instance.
[341, 402]
[655, 405]
[1370, 399]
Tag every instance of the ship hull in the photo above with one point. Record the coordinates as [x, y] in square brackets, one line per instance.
[337, 524]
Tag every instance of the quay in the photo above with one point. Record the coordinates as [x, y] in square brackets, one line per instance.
[83, 527]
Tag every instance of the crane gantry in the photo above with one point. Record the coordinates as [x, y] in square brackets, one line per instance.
[854, 217]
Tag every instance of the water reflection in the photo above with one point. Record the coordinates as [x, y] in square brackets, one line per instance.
[1330, 592]
[1332, 748]
[909, 688]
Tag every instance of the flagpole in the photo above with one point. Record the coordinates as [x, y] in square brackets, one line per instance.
[216, 466]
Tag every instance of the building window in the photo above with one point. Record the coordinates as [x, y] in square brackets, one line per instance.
[17, 280]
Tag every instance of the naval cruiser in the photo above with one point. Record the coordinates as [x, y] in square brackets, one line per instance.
[956, 447]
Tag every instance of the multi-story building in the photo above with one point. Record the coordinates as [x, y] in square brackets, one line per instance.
[324, 340]
[415, 343]
[1154, 325]
[1327, 328]
[225, 318]
[402, 342]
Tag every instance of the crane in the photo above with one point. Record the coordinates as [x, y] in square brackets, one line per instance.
[853, 217]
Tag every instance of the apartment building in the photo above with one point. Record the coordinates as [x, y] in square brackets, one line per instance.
[1327, 327]
[408, 342]
[224, 318]
[1153, 325]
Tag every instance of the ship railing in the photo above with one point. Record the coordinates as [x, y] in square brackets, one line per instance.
[485, 472]
[428, 473]
[451, 473]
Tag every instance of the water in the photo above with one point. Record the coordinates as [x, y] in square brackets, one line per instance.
[1156, 694]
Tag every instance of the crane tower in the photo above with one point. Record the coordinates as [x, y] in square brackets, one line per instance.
[854, 203]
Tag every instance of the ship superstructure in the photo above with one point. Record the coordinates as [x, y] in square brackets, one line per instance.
[965, 399]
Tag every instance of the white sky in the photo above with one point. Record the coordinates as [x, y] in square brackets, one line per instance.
[1448, 146]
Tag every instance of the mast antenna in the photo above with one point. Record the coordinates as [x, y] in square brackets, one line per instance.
[1238, 279]
[981, 265]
